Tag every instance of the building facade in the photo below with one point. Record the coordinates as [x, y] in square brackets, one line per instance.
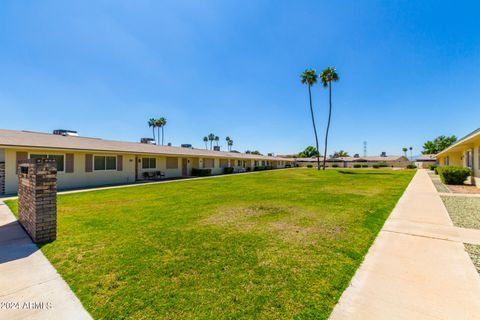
[465, 153]
[89, 162]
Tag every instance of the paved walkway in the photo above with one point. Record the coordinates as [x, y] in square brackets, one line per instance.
[417, 267]
[30, 287]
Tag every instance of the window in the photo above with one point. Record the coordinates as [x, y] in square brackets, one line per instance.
[172, 163]
[208, 163]
[446, 161]
[104, 163]
[149, 163]
[59, 159]
[223, 163]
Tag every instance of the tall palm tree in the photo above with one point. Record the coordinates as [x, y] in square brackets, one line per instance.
[217, 138]
[162, 122]
[327, 76]
[411, 156]
[228, 140]
[404, 149]
[230, 144]
[309, 77]
[152, 123]
[211, 137]
[205, 139]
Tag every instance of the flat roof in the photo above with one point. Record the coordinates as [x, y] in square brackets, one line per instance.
[463, 140]
[29, 139]
[353, 159]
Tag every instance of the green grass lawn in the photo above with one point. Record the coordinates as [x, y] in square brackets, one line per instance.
[270, 245]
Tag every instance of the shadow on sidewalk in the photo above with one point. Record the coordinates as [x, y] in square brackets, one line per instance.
[15, 243]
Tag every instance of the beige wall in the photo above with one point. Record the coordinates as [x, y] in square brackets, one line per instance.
[79, 178]
[459, 158]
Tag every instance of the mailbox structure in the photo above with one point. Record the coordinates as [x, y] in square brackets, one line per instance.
[37, 198]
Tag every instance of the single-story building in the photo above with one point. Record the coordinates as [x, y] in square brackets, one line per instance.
[425, 160]
[89, 162]
[350, 162]
[466, 153]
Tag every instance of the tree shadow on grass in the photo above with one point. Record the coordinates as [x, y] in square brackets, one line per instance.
[365, 173]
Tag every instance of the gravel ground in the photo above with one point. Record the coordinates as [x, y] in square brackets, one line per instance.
[464, 211]
[474, 252]
[437, 183]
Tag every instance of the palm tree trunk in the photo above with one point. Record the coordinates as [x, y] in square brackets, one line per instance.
[314, 127]
[158, 135]
[328, 124]
[162, 135]
[153, 130]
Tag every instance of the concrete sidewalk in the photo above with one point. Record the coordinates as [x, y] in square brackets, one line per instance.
[417, 267]
[30, 287]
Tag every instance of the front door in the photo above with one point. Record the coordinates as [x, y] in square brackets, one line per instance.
[184, 167]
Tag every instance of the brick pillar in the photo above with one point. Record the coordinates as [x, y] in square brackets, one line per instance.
[2, 177]
[37, 198]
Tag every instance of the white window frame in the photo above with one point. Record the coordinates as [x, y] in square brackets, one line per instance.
[102, 155]
[51, 154]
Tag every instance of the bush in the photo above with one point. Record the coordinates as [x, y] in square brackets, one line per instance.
[383, 165]
[364, 165]
[411, 166]
[334, 165]
[357, 165]
[268, 167]
[201, 172]
[227, 170]
[376, 166]
[432, 167]
[453, 174]
[259, 168]
[435, 170]
[309, 166]
[249, 169]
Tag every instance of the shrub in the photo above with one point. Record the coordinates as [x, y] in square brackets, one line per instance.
[432, 167]
[411, 166]
[309, 166]
[201, 172]
[364, 165]
[249, 169]
[258, 168]
[228, 170]
[357, 165]
[268, 167]
[376, 166]
[453, 174]
[383, 165]
[334, 165]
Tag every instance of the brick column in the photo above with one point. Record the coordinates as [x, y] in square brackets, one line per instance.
[37, 198]
[2, 177]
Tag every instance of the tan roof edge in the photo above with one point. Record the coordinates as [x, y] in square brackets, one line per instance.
[472, 134]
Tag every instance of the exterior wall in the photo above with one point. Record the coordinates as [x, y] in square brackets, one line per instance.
[2, 177]
[459, 158]
[131, 166]
[79, 178]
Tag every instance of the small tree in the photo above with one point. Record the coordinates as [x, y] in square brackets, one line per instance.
[439, 144]
[405, 151]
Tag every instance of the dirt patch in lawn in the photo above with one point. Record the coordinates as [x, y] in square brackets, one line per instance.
[288, 223]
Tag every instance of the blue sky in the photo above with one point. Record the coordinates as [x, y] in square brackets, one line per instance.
[409, 70]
